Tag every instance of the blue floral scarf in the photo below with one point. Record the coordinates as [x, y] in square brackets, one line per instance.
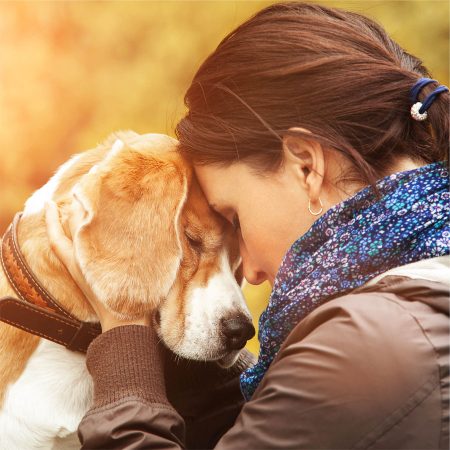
[350, 244]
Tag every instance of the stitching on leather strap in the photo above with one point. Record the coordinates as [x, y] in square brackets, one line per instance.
[23, 327]
[21, 284]
[72, 326]
[62, 320]
[34, 297]
[23, 264]
[36, 333]
[11, 281]
[75, 336]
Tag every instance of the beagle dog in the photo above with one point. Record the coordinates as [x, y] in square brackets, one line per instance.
[148, 242]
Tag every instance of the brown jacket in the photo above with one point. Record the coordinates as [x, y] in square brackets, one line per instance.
[366, 370]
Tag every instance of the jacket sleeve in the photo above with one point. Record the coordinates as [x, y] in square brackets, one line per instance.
[138, 382]
[336, 383]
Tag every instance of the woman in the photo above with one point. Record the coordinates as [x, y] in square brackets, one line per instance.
[323, 142]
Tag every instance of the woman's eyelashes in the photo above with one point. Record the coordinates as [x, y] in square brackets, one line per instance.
[225, 213]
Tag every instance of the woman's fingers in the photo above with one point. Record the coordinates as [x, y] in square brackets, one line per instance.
[59, 242]
[63, 248]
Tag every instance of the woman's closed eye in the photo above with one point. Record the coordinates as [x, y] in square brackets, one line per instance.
[225, 213]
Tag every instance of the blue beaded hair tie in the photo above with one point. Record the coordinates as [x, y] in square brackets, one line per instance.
[419, 109]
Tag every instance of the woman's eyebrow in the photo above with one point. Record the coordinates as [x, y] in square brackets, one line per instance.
[222, 211]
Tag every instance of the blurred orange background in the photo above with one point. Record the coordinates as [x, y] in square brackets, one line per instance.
[72, 72]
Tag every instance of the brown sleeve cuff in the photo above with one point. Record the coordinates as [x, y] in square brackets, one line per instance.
[125, 362]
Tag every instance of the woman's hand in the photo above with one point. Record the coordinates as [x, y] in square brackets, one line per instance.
[62, 245]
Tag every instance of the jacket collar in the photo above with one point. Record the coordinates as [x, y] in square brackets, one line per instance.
[432, 269]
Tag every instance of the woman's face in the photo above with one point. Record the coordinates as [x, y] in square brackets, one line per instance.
[269, 213]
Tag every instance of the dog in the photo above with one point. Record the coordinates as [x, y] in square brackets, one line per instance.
[148, 242]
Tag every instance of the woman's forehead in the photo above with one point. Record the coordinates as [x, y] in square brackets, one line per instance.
[214, 178]
[220, 185]
[226, 186]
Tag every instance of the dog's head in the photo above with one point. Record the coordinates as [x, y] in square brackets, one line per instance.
[149, 242]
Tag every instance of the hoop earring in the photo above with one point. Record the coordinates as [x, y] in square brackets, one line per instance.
[315, 213]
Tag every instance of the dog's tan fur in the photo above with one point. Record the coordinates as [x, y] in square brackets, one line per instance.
[127, 242]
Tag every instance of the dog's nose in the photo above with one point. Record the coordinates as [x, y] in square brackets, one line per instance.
[237, 332]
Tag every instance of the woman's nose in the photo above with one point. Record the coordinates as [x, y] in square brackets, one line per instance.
[251, 273]
[256, 278]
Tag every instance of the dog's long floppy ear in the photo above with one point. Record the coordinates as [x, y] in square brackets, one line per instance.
[128, 244]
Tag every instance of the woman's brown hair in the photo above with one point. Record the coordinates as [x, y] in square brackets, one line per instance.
[333, 72]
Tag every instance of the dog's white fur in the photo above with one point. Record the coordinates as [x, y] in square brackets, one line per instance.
[202, 319]
[43, 406]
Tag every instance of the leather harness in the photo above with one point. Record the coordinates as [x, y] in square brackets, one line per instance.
[36, 310]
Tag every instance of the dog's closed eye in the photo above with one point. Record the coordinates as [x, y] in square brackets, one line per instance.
[194, 241]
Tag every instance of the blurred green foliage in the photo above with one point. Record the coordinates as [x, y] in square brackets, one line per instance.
[72, 72]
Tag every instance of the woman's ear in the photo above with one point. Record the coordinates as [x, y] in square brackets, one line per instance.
[305, 157]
